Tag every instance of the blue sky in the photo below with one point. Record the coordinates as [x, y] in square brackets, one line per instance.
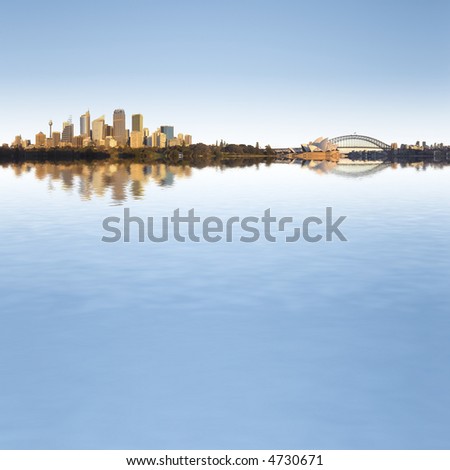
[281, 72]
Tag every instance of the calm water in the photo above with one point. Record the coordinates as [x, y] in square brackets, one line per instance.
[226, 345]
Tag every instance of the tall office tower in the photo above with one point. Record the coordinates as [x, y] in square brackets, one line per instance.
[56, 136]
[168, 130]
[180, 138]
[67, 134]
[161, 140]
[41, 139]
[146, 132]
[98, 129]
[119, 129]
[154, 138]
[85, 124]
[187, 139]
[137, 122]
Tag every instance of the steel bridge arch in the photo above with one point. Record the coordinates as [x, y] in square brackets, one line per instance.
[358, 141]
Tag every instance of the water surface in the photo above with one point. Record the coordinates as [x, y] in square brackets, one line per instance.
[225, 345]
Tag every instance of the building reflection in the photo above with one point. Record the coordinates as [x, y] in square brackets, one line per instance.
[119, 180]
[122, 181]
[362, 169]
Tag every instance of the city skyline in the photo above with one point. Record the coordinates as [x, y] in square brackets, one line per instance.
[98, 133]
[129, 127]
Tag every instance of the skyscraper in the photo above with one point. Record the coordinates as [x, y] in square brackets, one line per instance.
[67, 134]
[159, 139]
[188, 139]
[98, 129]
[162, 140]
[85, 125]
[168, 130]
[40, 139]
[137, 122]
[119, 128]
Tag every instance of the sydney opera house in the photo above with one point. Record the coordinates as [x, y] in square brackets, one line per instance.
[320, 149]
[319, 145]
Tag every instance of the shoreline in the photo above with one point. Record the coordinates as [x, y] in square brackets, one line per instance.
[198, 155]
[201, 155]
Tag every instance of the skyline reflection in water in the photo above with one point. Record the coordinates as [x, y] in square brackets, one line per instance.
[129, 180]
[121, 179]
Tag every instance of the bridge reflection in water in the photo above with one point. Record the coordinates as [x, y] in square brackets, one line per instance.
[348, 169]
[359, 170]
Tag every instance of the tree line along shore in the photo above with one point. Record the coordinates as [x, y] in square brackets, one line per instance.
[197, 154]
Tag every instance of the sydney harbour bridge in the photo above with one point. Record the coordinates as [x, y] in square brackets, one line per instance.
[356, 142]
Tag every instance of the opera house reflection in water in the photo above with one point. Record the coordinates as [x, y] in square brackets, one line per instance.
[122, 181]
